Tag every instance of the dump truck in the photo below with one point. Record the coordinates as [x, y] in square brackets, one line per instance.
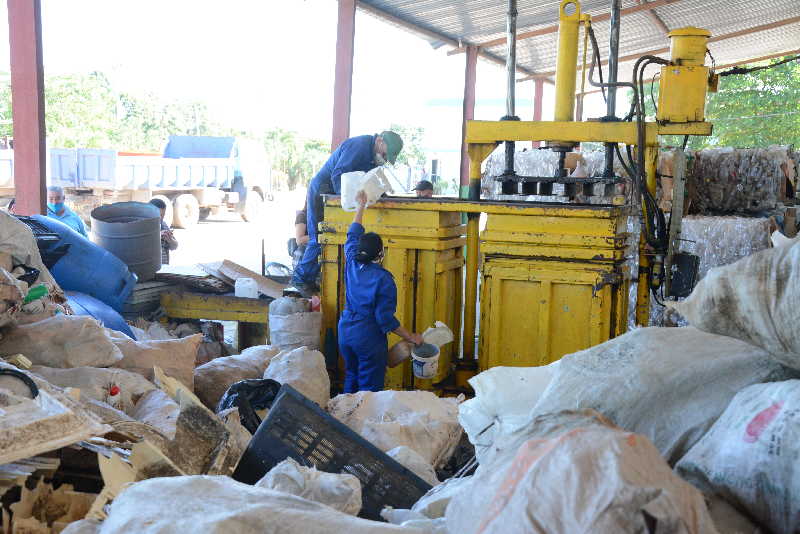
[196, 176]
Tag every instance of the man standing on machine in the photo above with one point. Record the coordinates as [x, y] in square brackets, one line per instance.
[361, 153]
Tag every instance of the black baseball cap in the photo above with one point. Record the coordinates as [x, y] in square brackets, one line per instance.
[423, 185]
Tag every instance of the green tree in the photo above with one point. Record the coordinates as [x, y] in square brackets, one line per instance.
[750, 110]
[296, 157]
[413, 152]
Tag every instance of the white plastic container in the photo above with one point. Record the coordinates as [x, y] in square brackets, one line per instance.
[425, 360]
[246, 287]
[374, 183]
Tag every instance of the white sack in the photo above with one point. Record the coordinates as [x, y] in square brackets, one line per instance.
[16, 239]
[62, 341]
[304, 370]
[419, 420]
[175, 357]
[83, 526]
[158, 410]
[669, 384]
[434, 503]
[504, 398]
[220, 505]
[97, 383]
[288, 332]
[415, 463]
[591, 478]
[755, 300]
[341, 492]
[212, 379]
[412, 519]
[749, 457]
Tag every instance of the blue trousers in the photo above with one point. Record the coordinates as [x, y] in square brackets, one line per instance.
[307, 269]
[365, 351]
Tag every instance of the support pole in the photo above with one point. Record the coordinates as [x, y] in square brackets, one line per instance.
[27, 94]
[511, 79]
[467, 114]
[343, 82]
[538, 96]
[613, 68]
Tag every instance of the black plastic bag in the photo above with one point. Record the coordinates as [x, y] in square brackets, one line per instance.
[249, 396]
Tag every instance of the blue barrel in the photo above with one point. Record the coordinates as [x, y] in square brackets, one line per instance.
[89, 268]
[83, 304]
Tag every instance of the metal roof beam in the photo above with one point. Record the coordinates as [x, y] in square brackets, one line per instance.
[656, 20]
[647, 7]
[739, 33]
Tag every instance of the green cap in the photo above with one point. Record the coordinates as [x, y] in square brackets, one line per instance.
[35, 293]
[394, 144]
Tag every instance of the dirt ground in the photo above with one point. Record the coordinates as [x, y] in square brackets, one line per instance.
[226, 236]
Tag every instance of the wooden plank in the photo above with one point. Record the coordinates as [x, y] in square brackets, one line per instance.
[214, 307]
[267, 287]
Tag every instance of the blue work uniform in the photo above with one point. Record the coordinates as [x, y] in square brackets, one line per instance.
[355, 154]
[70, 218]
[368, 316]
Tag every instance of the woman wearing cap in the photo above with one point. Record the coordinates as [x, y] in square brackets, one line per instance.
[371, 301]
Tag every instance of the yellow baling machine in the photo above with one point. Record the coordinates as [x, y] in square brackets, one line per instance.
[550, 275]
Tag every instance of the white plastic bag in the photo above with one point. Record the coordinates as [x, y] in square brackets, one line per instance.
[305, 371]
[434, 503]
[419, 420]
[749, 456]
[581, 476]
[220, 505]
[374, 183]
[668, 384]
[338, 490]
[411, 460]
[504, 398]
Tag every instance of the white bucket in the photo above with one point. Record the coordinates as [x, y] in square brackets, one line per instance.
[425, 360]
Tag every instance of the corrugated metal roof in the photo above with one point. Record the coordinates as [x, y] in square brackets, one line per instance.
[479, 21]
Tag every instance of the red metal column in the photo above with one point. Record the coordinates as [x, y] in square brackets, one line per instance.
[468, 113]
[538, 93]
[27, 95]
[343, 83]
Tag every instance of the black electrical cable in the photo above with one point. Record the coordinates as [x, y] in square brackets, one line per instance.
[596, 61]
[652, 97]
[743, 70]
[25, 378]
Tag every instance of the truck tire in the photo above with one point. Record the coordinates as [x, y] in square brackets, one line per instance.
[204, 213]
[186, 211]
[253, 211]
[168, 213]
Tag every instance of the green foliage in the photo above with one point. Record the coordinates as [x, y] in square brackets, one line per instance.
[751, 110]
[413, 152]
[297, 158]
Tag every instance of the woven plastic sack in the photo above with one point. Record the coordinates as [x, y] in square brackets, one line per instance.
[63, 341]
[340, 491]
[174, 356]
[749, 456]
[212, 380]
[118, 388]
[305, 371]
[755, 300]
[504, 398]
[668, 384]
[288, 332]
[220, 505]
[158, 410]
[580, 476]
[415, 463]
[419, 420]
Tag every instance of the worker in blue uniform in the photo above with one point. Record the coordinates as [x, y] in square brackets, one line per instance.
[370, 304]
[361, 153]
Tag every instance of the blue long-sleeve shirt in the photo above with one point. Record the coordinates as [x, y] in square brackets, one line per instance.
[370, 291]
[71, 219]
[355, 154]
